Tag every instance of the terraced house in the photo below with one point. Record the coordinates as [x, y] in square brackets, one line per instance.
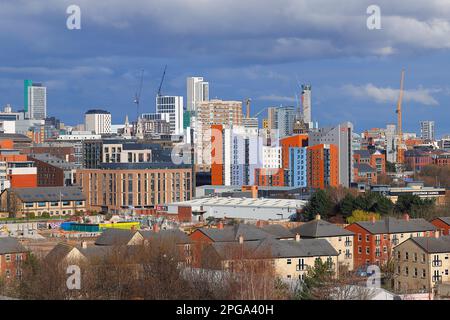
[374, 240]
[12, 253]
[339, 238]
[422, 264]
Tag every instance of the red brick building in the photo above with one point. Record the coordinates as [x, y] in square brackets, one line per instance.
[375, 240]
[443, 225]
[12, 253]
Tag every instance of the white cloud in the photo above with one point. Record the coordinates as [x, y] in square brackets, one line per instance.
[390, 95]
[278, 98]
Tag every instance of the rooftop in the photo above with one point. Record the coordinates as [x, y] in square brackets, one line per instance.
[393, 225]
[433, 245]
[320, 228]
[10, 245]
[243, 202]
[47, 194]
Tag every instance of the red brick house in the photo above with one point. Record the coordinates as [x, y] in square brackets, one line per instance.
[443, 224]
[12, 253]
[375, 240]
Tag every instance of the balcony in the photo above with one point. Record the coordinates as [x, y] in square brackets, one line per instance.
[348, 256]
[437, 263]
[377, 242]
[437, 279]
[300, 267]
[348, 243]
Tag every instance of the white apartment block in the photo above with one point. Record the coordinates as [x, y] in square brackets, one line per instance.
[197, 92]
[171, 107]
[97, 121]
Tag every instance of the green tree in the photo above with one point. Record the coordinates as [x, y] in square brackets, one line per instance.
[414, 206]
[347, 205]
[319, 203]
[382, 205]
[318, 282]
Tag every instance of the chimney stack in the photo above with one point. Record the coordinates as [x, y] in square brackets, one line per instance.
[406, 217]
[220, 225]
[156, 227]
[241, 239]
[372, 219]
[297, 237]
[317, 216]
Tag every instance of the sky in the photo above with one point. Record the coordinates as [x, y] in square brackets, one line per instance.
[258, 49]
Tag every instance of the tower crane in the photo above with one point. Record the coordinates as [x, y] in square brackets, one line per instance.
[162, 80]
[137, 96]
[400, 146]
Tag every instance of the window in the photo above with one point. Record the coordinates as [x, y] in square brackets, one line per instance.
[301, 265]
[423, 258]
[398, 270]
[367, 238]
[289, 261]
[398, 255]
[41, 204]
[385, 237]
[367, 250]
[359, 237]
[28, 205]
[406, 255]
[359, 250]
[415, 272]
[384, 249]
[406, 271]
[7, 257]
[424, 273]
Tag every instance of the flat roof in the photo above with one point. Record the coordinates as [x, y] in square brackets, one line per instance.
[243, 202]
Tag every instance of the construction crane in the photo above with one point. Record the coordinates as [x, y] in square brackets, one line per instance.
[247, 103]
[137, 96]
[260, 111]
[400, 147]
[162, 80]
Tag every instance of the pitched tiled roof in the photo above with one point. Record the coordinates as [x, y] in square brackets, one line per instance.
[59, 252]
[320, 228]
[229, 234]
[46, 194]
[175, 235]
[279, 231]
[364, 167]
[445, 220]
[111, 237]
[393, 225]
[362, 153]
[433, 245]
[11, 245]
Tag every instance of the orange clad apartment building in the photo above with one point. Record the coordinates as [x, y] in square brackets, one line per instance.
[15, 169]
[323, 166]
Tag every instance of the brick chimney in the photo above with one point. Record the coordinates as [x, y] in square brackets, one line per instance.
[297, 237]
[406, 217]
[241, 239]
[220, 225]
[317, 216]
[372, 218]
[156, 227]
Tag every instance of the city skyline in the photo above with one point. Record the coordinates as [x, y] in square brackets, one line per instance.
[354, 75]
